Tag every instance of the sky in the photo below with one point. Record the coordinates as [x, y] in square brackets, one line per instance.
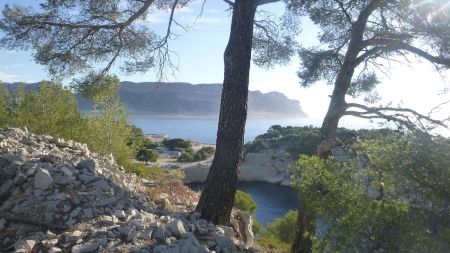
[199, 57]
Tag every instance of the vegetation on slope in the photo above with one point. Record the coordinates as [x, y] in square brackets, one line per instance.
[383, 191]
[52, 110]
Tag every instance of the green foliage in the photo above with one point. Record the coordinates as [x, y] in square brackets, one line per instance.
[75, 37]
[177, 144]
[190, 155]
[52, 110]
[108, 130]
[203, 153]
[154, 172]
[137, 139]
[279, 234]
[271, 244]
[245, 202]
[151, 144]
[5, 116]
[176, 174]
[147, 155]
[185, 158]
[385, 195]
[284, 228]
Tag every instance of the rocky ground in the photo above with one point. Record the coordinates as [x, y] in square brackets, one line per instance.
[57, 196]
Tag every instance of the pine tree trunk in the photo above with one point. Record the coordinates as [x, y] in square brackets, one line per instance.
[217, 198]
[307, 218]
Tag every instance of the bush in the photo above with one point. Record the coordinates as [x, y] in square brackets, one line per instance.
[245, 202]
[177, 144]
[176, 174]
[137, 168]
[279, 234]
[203, 153]
[271, 244]
[185, 158]
[155, 172]
[151, 144]
[284, 228]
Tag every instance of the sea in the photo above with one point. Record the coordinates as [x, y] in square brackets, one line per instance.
[204, 130]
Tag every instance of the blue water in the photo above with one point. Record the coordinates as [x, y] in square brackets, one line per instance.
[273, 201]
[205, 129]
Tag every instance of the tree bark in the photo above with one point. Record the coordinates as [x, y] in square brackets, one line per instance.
[306, 226]
[217, 198]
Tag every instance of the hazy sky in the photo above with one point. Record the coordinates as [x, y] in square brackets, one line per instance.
[200, 60]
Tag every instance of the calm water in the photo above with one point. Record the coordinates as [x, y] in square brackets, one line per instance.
[205, 129]
[273, 201]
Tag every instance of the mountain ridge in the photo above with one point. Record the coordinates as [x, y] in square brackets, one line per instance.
[181, 99]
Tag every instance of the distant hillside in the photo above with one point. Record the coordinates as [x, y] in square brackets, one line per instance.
[187, 100]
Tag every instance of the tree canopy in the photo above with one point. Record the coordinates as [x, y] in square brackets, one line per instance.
[359, 39]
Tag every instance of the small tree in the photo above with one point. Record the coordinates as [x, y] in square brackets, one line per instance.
[147, 155]
[107, 127]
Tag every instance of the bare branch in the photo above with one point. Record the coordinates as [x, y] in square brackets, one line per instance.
[401, 116]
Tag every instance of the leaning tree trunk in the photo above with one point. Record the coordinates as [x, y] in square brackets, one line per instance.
[306, 218]
[217, 198]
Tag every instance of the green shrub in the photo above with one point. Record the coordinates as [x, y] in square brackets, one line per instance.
[190, 155]
[245, 202]
[279, 234]
[176, 174]
[177, 144]
[284, 228]
[203, 153]
[137, 168]
[271, 244]
[151, 144]
[155, 172]
[185, 158]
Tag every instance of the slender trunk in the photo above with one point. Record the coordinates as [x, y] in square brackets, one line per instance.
[217, 198]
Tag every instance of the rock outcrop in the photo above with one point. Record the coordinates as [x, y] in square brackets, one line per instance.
[262, 167]
[57, 196]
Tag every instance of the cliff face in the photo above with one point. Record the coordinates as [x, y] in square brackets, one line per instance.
[270, 167]
[57, 196]
[184, 99]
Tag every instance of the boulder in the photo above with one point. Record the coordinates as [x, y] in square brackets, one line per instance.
[176, 227]
[42, 179]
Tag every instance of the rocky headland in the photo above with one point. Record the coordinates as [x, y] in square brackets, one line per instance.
[57, 196]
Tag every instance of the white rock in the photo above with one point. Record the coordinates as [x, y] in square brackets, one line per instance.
[54, 250]
[176, 227]
[43, 180]
[248, 222]
[85, 247]
[26, 245]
